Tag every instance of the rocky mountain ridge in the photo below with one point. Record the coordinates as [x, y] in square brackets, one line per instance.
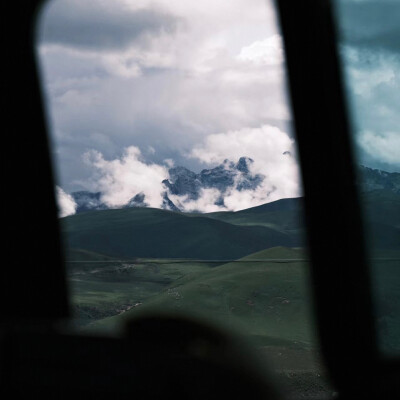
[184, 182]
[228, 175]
[376, 179]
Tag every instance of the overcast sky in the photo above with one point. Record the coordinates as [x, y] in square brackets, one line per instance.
[144, 84]
[370, 47]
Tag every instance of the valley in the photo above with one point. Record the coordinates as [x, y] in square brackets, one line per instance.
[263, 297]
[246, 272]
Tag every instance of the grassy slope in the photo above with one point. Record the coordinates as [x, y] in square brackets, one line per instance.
[382, 211]
[382, 206]
[284, 215]
[386, 282]
[84, 255]
[145, 232]
[103, 286]
[266, 300]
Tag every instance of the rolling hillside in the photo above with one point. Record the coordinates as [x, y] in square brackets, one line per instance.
[153, 233]
[381, 209]
[284, 215]
[269, 300]
[264, 297]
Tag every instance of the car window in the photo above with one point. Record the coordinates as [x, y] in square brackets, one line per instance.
[178, 181]
[369, 52]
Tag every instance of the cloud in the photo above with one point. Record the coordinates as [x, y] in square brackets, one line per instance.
[169, 162]
[274, 171]
[383, 147]
[66, 204]
[370, 24]
[373, 84]
[100, 25]
[120, 179]
[368, 71]
[265, 144]
[167, 85]
[264, 52]
[205, 203]
[270, 148]
[151, 150]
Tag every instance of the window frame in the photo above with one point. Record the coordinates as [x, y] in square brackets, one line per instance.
[341, 281]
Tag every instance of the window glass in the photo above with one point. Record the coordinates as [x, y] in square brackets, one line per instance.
[178, 182]
[369, 36]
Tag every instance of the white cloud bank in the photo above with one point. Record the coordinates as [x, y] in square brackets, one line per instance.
[383, 147]
[272, 150]
[66, 204]
[264, 52]
[183, 70]
[373, 84]
[119, 180]
[205, 203]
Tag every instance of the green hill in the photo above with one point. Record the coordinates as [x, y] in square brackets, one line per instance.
[284, 215]
[80, 255]
[382, 206]
[381, 209]
[154, 233]
[264, 297]
[268, 300]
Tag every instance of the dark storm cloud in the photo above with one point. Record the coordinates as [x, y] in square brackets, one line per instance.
[370, 24]
[97, 25]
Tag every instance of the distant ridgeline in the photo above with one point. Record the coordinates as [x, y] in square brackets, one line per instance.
[375, 179]
[183, 182]
[156, 233]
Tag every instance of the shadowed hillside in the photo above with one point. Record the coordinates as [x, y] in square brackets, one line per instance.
[146, 232]
[265, 294]
[284, 215]
[155, 233]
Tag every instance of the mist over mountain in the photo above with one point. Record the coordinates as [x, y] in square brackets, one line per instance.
[213, 185]
[87, 201]
[374, 179]
[156, 233]
[184, 185]
[138, 230]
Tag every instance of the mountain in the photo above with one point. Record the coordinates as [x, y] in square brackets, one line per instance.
[374, 179]
[183, 182]
[225, 177]
[137, 201]
[285, 215]
[88, 201]
[155, 233]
